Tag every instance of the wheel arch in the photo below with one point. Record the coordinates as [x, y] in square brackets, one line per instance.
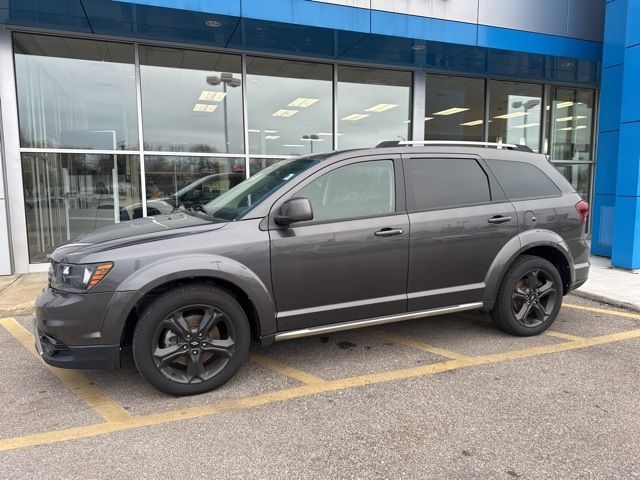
[250, 291]
[540, 243]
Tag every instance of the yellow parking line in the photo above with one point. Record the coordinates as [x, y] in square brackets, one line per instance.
[606, 311]
[306, 390]
[284, 369]
[392, 337]
[566, 336]
[76, 382]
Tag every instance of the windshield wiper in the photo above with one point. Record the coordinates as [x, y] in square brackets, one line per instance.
[198, 207]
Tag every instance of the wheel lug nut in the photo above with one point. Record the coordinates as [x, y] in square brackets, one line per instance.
[184, 347]
[188, 337]
[195, 352]
[199, 335]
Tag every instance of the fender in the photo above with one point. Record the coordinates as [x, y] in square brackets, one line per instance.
[203, 265]
[513, 248]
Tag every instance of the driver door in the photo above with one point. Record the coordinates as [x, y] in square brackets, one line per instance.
[350, 262]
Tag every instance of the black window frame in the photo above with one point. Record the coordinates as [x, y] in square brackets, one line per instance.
[496, 194]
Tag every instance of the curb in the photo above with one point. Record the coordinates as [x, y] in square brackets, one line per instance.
[604, 299]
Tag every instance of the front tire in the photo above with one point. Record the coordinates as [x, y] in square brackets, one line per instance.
[529, 297]
[191, 340]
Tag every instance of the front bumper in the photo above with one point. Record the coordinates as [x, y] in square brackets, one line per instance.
[81, 330]
[57, 354]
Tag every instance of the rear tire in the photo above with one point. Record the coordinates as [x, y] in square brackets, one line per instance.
[191, 340]
[529, 297]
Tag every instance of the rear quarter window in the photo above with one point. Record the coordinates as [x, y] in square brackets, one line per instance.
[521, 180]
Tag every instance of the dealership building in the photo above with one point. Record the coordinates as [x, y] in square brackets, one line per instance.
[115, 110]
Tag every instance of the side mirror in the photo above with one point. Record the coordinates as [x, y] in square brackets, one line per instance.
[294, 210]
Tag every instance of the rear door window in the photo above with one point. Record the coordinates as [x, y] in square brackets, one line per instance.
[434, 183]
[522, 180]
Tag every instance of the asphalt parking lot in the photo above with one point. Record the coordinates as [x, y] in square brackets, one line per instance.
[440, 397]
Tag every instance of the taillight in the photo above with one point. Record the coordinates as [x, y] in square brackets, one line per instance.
[583, 209]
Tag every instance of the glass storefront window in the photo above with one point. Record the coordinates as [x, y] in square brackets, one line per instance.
[515, 113]
[373, 105]
[579, 175]
[66, 195]
[290, 107]
[75, 93]
[258, 164]
[570, 123]
[182, 182]
[191, 101]
[454, 108]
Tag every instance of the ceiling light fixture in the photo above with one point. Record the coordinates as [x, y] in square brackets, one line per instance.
[563, 105]
[513, 115]
[381, 107]
[451, 111]
[471, 124]
[418, 46]
[212, 23]
[526, 125]
[209, 96]
[284, 113]
[355, 116]
[203, 107]
[303, 102]
[292, 145]
[271, 137]
[567, 119]
[426, 119]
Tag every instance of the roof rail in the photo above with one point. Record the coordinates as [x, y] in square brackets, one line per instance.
[399, 143]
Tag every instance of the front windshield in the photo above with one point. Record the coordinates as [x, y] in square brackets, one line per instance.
[238, 201]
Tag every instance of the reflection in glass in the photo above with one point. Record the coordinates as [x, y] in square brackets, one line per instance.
[373, 105]
[579, 175]
[570, 125]
[191, 100]
[258, 164]
[67, 195]
[183, 182]
[454, 108]
[515, 113]
[75, 93]
[290, 107]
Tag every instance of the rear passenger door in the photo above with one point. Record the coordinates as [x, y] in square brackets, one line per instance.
[459, 220]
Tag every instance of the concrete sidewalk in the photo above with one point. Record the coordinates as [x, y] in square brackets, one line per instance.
[605, 284]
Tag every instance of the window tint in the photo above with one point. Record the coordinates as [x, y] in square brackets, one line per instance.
[357, 190]
[439, 183]
[522, 180]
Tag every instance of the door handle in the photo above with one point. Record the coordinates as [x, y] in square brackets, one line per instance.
[499, 219]
[389, 232]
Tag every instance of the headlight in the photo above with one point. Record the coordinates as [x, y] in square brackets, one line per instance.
[77, 278]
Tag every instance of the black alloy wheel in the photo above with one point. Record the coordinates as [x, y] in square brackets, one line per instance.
[193, 343]
[191, 339]
[529, 297]
[533, 298]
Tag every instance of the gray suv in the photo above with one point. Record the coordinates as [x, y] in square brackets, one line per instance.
[319, 244]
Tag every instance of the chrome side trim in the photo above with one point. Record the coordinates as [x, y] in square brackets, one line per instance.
[340, 306]
[444, 291]
[369, 322]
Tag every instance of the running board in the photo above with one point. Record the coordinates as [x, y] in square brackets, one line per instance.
[370, 322]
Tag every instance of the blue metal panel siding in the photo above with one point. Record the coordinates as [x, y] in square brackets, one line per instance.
[315, 14]
[610, 98]
[421, 28]
[68, 14]
[620, 120]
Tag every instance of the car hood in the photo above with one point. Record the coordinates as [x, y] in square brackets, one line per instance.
[142, 230]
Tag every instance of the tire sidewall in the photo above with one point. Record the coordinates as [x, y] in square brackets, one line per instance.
[167, 303]
[510, 282]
